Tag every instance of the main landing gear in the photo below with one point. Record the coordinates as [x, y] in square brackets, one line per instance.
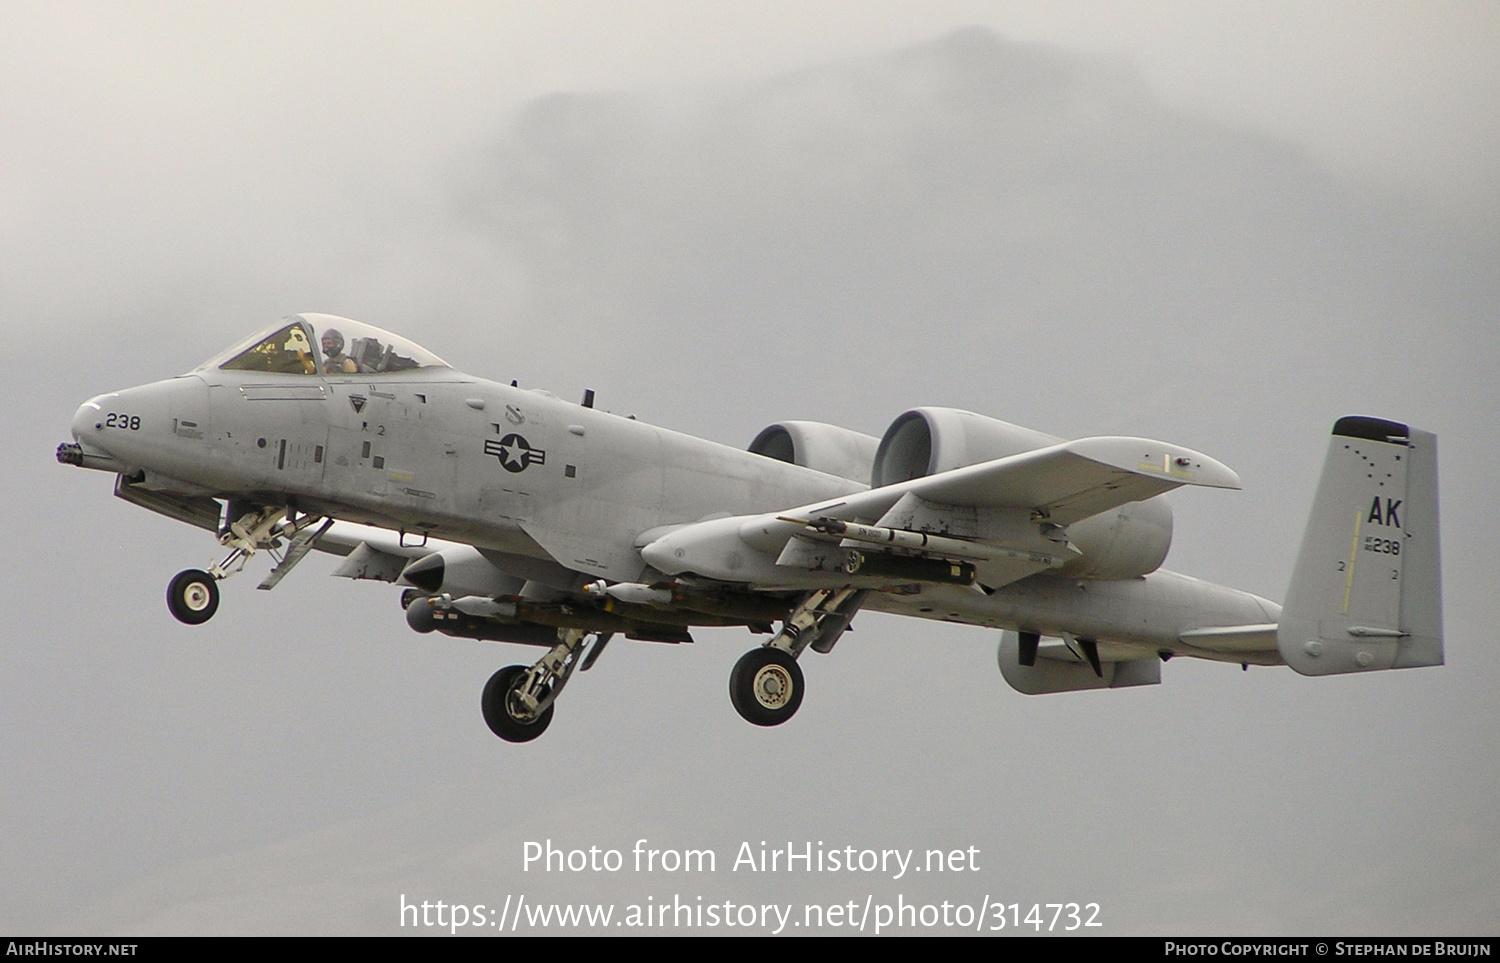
[766, 685]
[193, 595]
[517, 701]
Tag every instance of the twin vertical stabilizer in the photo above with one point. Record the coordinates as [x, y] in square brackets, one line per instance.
[1367, 589]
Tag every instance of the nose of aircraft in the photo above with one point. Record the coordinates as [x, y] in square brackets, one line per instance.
[88, 421]
[139, 428]
[89, 449]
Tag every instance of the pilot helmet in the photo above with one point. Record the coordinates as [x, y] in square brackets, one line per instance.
[333, 342]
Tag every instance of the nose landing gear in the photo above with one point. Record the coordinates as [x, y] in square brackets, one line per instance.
[193, 595]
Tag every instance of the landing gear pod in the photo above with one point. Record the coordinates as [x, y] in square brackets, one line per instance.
[1056, 667]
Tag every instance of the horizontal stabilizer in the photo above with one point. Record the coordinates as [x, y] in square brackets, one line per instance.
[1366, 593]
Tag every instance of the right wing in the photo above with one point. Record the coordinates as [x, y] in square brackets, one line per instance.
[1005, 515]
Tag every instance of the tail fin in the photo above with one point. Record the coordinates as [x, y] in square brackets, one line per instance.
[1367, 590]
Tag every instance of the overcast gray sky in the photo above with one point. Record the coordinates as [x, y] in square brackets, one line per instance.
[1223, 225]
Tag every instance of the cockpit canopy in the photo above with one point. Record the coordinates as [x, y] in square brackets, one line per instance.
[313, 344]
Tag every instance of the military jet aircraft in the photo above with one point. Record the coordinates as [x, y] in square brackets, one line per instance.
[514, 516]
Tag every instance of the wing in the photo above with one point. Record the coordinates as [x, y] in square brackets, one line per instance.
[1007, 517]
[375, 553]
[1061, 484]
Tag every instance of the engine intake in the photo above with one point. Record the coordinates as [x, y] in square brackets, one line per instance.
[925, 441]
[826, 448]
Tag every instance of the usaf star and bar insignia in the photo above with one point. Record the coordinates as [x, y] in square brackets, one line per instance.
[514, 453]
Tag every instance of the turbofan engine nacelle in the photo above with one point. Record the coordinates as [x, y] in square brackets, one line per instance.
[1048, 674]
[1125, 542]
[925, 441]
[826, 448]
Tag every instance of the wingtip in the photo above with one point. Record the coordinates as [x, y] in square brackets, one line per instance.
[1144, 456]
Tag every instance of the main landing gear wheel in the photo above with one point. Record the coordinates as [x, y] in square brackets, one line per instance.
[193, 597]
[766, 686]
[500, 711]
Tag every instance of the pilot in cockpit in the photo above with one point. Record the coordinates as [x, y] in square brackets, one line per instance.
[334, 359]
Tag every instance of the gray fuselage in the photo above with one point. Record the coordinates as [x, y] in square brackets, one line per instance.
[521, 472]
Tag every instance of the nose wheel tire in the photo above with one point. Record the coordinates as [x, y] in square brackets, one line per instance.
[500, 710]
[193, 597]
[766, 686]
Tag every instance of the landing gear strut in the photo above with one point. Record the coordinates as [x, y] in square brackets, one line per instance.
[193, 595]
[517, 701]
[766, 684]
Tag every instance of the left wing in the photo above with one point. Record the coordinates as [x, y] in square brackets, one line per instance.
[1005, 515]
[375, 553]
